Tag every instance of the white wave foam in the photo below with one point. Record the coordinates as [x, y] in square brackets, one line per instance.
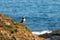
[41, 33]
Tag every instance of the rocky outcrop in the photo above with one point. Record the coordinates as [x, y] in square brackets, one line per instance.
[54, 35]
[10, 30]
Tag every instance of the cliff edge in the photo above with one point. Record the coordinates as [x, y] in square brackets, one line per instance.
[10, 30]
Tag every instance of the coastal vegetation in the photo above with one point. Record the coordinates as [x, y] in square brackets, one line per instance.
[10, 30]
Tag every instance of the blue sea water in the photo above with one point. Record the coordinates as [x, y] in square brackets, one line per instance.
[40, 14]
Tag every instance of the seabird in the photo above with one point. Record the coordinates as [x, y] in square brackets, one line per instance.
[23, 19]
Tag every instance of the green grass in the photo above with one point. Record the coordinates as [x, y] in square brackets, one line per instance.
[16, 26]
[26, 30]
[8, 26]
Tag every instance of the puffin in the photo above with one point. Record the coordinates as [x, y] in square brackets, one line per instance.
[23, 19]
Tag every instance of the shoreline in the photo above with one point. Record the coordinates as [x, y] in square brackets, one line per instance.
[41, 32]
[48, 35]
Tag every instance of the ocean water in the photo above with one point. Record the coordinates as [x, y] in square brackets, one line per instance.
[40, 14]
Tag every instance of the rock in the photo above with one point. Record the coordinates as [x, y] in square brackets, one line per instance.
[54, 35]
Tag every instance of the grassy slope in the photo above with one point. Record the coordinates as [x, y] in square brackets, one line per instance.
[10, 30]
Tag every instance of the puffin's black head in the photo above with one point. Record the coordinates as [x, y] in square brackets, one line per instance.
[23, 17]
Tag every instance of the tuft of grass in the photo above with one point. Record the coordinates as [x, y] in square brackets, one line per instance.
[26, 30]
[8, 26]
[22, 28]
[16, 30]
[16, 26]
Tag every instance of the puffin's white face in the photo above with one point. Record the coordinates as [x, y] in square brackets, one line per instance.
[24, 19]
